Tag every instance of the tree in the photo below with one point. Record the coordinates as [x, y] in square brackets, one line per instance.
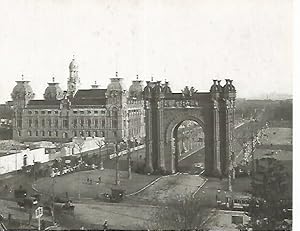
[100, 144]
[268, 205]
[79, 143]
[183, 213]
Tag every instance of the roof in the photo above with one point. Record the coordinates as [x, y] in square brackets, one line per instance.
[90, 94]
[44, 102]
[88, 101]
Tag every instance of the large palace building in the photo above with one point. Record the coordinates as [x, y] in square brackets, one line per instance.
[113, 113]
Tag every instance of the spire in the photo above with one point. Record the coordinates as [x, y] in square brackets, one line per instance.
[22, 77]
[137, 77]
[53, 79]
[116, 74]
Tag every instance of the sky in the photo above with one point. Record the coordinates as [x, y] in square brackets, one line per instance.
[187, 42]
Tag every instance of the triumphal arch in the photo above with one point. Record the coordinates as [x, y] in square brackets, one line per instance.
[165, 111]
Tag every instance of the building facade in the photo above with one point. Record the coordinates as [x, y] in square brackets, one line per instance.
[114, 113]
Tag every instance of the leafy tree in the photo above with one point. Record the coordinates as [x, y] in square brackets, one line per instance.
[269, 205]
[183, 213]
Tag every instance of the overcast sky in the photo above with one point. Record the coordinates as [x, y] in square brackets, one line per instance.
[188, 42]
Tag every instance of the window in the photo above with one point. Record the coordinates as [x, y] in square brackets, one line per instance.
[89, 122]
[89, 112]
[29, 133]
[89, 133]
[49, 123]
[81, 112]
[96, 133]
[82, 122]
[75, 133]
[56, 123]
[103, 112]
[36, 133]
[43, 122]
[114, 123]
[49, 133]
[43, 112]
[103, 123]
[36, 112]
[56, 112]
[19, 123]
[75, 112]
[30, 123]
[65, 124]
[29, 112]
[114, 118]
[75, 123]
[96, 112]
[43, 133]
[19, 133]
[96, 123]
[36, 123]
[49, 112]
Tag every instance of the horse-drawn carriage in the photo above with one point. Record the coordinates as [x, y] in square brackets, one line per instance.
[117, 195]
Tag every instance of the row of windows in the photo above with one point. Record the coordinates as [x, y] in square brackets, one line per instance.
[55, 133]
[89, 112]
[74, 112]
[88, 122]
[76, 123]
[42, 112]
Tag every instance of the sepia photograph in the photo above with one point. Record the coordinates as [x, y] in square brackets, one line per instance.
[146, 115]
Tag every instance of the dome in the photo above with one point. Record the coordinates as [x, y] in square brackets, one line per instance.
[22, 91]
[136, 89]
[116, 85]
[53, 92]
[216, 87]
[73, 64]
[228, 86]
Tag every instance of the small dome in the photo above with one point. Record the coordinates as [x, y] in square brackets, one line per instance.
[53, 92]
[228, 87]
[73, 64]
[136, 89]
[216, 87]
[22, 91]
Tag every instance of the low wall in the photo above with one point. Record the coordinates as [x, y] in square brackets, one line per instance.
[15, 161]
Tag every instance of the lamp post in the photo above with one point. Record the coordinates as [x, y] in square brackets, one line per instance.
[118, 148]
[130, 146]
[117, 181]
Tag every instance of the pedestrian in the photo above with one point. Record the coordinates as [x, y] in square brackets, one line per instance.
[105, 225]
[99, 179]
[9, 218]
[220, 177]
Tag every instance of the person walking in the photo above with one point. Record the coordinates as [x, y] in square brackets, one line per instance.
[105, 225]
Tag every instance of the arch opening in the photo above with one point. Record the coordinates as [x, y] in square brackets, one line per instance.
[188, 154]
